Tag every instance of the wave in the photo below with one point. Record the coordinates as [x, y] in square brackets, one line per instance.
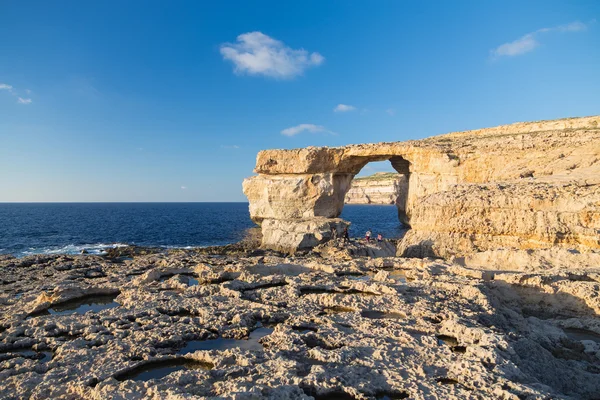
[98, 248]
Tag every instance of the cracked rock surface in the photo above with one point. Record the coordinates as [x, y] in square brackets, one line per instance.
[185, 325]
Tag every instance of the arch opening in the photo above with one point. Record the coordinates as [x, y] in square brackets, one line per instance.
[376, 198]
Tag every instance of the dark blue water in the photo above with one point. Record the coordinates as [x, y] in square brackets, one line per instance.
[376, 218]
[49, 228]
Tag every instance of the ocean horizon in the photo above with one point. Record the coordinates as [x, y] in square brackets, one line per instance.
[30, 228]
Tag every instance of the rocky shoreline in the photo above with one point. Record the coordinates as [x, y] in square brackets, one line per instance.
[338, 322]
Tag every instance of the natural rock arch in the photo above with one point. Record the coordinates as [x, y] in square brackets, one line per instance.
[299, 194]
[525, 185]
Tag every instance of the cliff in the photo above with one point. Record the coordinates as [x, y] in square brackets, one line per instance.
[379, 188]
[525, 185]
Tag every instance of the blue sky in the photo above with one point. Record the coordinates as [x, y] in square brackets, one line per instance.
[171, 101]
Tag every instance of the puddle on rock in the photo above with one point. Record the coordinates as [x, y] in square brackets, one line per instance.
[448, 340]
[342, 290]
[42, 356]
[381, 314]
[264, 286]
[158, 369]
[304, 329]
[332, 395]
[578, 334]
[252, 343]
[447, 381]
[82, 305]
[391, 395]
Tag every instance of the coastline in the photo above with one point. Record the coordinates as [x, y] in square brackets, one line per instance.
[34, 230]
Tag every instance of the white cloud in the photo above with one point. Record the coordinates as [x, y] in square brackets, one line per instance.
[391, 111]
[294, 130]
[10, 89]
[235, 146]
[573, 27]
[183, 187]
[519, 46]
[344, 108]
[255, 53]
[529, 42]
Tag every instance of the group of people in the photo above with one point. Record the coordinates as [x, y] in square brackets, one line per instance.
[346, 238]
[368, 237]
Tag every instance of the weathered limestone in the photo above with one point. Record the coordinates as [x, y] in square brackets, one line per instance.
[302, 235]
[525, 185]
[379, 188]
[321, 195]
[269, 327]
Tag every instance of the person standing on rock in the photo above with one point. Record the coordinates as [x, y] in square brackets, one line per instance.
[379, 237]
[368, 236]
[345, 236]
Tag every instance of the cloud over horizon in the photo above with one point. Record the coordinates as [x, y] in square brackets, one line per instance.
[255, 53]
[529, 42]
[294, 130]
[24, 101]
[344, 108]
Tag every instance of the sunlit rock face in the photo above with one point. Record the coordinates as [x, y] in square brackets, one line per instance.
[379, 188]
[298, 196]
[525, 185]
[303, 234]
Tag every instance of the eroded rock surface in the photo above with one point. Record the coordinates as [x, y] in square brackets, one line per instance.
[379, 188]
[526, 185]
[192, 325]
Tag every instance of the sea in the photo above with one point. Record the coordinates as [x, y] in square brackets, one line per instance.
[69, 228]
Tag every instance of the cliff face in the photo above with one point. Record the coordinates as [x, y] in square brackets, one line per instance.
[379, 188]
[525, 185]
